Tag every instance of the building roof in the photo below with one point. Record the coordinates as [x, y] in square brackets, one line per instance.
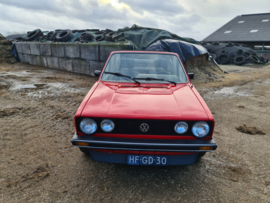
[244, 28]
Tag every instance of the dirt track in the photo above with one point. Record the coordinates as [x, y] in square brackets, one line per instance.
[38, 163]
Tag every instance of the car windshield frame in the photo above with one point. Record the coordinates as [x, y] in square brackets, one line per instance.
[146, 80]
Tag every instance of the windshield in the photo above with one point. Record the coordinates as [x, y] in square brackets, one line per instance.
[145, 68]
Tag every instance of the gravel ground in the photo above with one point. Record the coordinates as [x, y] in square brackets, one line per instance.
[38, 163]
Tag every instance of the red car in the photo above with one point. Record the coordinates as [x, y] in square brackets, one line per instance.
[143, 110]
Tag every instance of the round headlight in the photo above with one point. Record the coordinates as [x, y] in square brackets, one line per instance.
[181, 127]
[200, 129]
[107, 125]
[88, 126]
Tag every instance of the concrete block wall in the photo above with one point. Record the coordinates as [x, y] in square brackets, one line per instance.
[73, 57]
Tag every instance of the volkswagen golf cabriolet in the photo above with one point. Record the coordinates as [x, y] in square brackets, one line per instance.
[143, 110]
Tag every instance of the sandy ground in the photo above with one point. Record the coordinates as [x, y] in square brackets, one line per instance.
[38, 163]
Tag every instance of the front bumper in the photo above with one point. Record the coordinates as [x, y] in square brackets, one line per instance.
[92, 142]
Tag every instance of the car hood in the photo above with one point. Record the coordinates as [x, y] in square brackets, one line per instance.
[150, 102]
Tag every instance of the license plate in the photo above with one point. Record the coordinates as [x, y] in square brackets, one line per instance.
[147, 160]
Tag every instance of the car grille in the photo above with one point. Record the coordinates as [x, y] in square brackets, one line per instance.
[156, 127]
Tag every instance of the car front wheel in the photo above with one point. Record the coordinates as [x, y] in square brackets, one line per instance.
[201, 154]
[84, 150]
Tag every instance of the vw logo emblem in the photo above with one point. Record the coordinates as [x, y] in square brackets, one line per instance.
[144, 127]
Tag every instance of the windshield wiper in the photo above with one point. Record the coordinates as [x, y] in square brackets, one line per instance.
[124, 76]
[157, 79]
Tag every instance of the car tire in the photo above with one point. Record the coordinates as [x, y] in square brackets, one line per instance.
[108, 30]
[38, 38]
[223, 59]
[201, 154]
[252, 52]
[87, 37]
[53, 37]
[239, 52]
[254, 59]
[223, 52]
[33, 35]
[84, 150]
[64, 36]
[108, 36]
[99, 32]
[99, 38]
[92, 30]
[79, 31]
[239, 60]
[262, 59]
[229, 45]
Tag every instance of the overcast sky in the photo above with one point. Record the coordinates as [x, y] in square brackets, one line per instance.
[187, 18]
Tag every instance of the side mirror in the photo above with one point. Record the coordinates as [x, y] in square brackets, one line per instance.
[97, 73]
[191, 76]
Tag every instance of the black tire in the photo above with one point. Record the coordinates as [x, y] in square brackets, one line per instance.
[33, 35]
[244, 45]
[43, 38]
[50, 34]
[108, 31]
[254, 59]
[64, 36]
[223, 52]
[84, 150]
[239, 52]
[108, 36]
[262, 59]
[223, 59]
[38, 38]
[79, 31]
[87, 37]
[246, 54]
[239, 60]
[229, 45]
[232, 57]
[99, 33]
[252, 52]
[92, 30]
[200, 155]
[53, 37]
[73, 31]
[99, 38]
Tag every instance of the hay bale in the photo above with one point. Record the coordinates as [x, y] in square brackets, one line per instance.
[203, 69]
[5, 50]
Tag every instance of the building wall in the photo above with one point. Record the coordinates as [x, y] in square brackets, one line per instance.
[73, 57]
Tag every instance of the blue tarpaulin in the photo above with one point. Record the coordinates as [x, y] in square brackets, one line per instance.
[14, 52]
[184, 49]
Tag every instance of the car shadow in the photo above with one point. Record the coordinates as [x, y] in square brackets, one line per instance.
[162, 181]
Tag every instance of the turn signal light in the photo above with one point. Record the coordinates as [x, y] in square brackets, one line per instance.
[206, 148]
[82, 144]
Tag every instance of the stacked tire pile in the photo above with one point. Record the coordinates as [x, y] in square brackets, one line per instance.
[232, 53]
[82, 36]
